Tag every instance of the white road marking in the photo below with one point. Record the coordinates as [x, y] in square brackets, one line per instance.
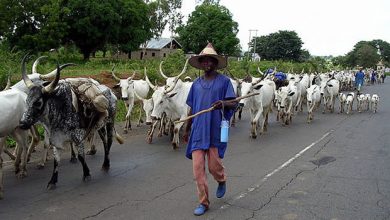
[250, 189]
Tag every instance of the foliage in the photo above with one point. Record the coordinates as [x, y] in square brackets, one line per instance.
[364, 54]
[163, 12]
[40, 25]
[284, 45]
[210, 23]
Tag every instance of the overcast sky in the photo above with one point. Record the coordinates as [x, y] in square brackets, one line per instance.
[327, 27]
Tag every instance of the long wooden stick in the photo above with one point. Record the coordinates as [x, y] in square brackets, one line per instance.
[213, 108]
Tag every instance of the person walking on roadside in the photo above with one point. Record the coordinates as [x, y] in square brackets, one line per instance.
[203, 132]
[359, 79]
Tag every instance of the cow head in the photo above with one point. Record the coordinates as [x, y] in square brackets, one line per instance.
[126, 85]
[147, 105]
[37, 97]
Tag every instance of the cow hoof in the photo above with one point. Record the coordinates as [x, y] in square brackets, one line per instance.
[91, 152]
[87, 178]
[253, 136]
[124, 131]
[105, 168]
[74, 159]
[149, 140]
[51, 186]
[174, 146]
[40, 166]
[21, 174]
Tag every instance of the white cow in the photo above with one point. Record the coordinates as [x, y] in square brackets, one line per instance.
[171, 101]
[329, 90]
[259, 105]
[361, 99]
[374, 102]
[367, 102]
[313, 96]
[287, 98]
[343, 100]
[128, 87]
[349, 101]
[13, 105]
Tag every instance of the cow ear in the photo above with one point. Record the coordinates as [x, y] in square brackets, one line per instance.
[172, 94]
[257, 87]
[116, 86]
[291, 93]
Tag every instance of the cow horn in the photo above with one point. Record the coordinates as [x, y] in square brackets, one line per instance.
[303, 70]
[26, 80]
[49, 88]
[148, 81]
[161, 72]
[8, 83]
[131, 77]
[258, 69]
[36, 62]
[113, 74]
[54, 72]
[184, 69]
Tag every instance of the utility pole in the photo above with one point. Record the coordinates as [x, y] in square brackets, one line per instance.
[250, 34]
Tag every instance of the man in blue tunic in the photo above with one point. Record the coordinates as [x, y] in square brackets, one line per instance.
[359, 79]
[211, 89]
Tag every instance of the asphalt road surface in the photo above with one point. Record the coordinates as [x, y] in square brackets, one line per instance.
[337, 167]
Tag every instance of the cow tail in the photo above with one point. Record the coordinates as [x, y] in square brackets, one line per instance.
[118, 137]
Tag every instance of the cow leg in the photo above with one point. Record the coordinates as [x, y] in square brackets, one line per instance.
[176, 137]
[140, 117]
[20, 137]
[11, 155]
[81, 157]
[233, 124]
[107, 132]
[54, 177]
[90, 140]
[149, 138]
[46, 145]
[34, 141]
[73, 158]
[266, 123]
[2, 143]
[239, 113]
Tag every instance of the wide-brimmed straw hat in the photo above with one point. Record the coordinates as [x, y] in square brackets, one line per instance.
[210, 52]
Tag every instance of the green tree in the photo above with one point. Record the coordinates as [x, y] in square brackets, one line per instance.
[364, 54]
[284, 45]
[165, 12]
[31, 25]
[210, 23]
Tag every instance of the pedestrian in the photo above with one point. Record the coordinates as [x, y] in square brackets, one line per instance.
[203, 132]
[359, 78]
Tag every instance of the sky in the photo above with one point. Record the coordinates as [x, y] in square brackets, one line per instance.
[326, 27]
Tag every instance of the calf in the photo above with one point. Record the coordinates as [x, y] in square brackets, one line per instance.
[313, 96]
[342, 99]
[361, 99]
[367, 101]
[374, 102]
[349, 102]
[287, 98]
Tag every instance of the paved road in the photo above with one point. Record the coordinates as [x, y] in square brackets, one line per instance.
[335, 168]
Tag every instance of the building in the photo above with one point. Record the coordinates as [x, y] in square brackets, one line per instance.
[156, 48]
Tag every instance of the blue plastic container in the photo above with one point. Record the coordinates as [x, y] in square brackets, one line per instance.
[224, 131]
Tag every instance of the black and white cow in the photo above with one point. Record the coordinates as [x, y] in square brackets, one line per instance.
[52, 106]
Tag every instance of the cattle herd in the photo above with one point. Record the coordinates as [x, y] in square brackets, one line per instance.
[73, 110]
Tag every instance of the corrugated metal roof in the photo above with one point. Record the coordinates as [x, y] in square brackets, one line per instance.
[159, 43]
